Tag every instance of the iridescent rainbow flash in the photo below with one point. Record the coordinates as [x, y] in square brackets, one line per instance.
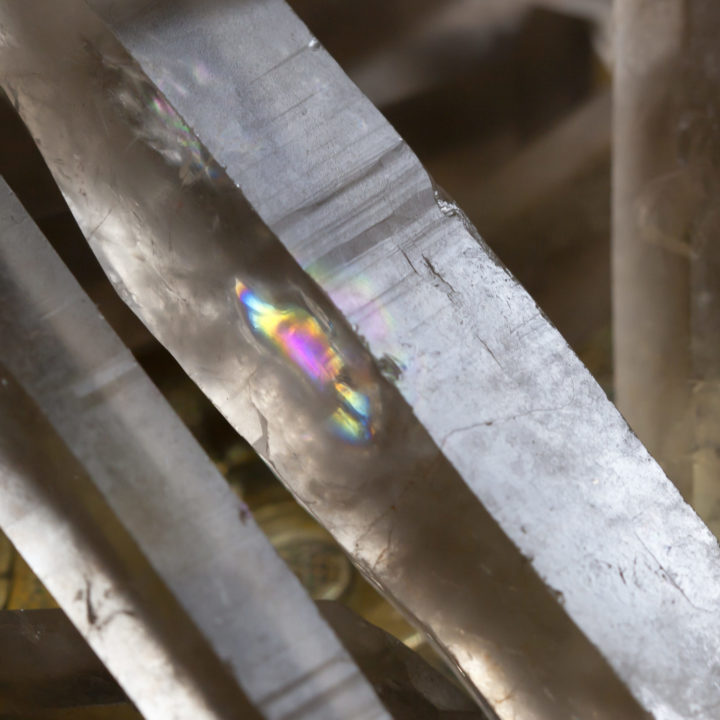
[300, 338]
[182, 139]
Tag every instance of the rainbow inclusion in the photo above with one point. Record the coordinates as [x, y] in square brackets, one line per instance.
[299, 337]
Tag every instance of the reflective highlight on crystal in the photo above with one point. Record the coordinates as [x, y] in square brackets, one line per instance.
[181, 137]
[300, 338]
[360, 299]
[154, 120]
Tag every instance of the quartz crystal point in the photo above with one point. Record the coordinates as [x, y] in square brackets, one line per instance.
[666, 250]
[275, 233]
[132, 529]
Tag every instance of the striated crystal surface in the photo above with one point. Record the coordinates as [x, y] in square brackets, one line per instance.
[386, 367]
[131, 527]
